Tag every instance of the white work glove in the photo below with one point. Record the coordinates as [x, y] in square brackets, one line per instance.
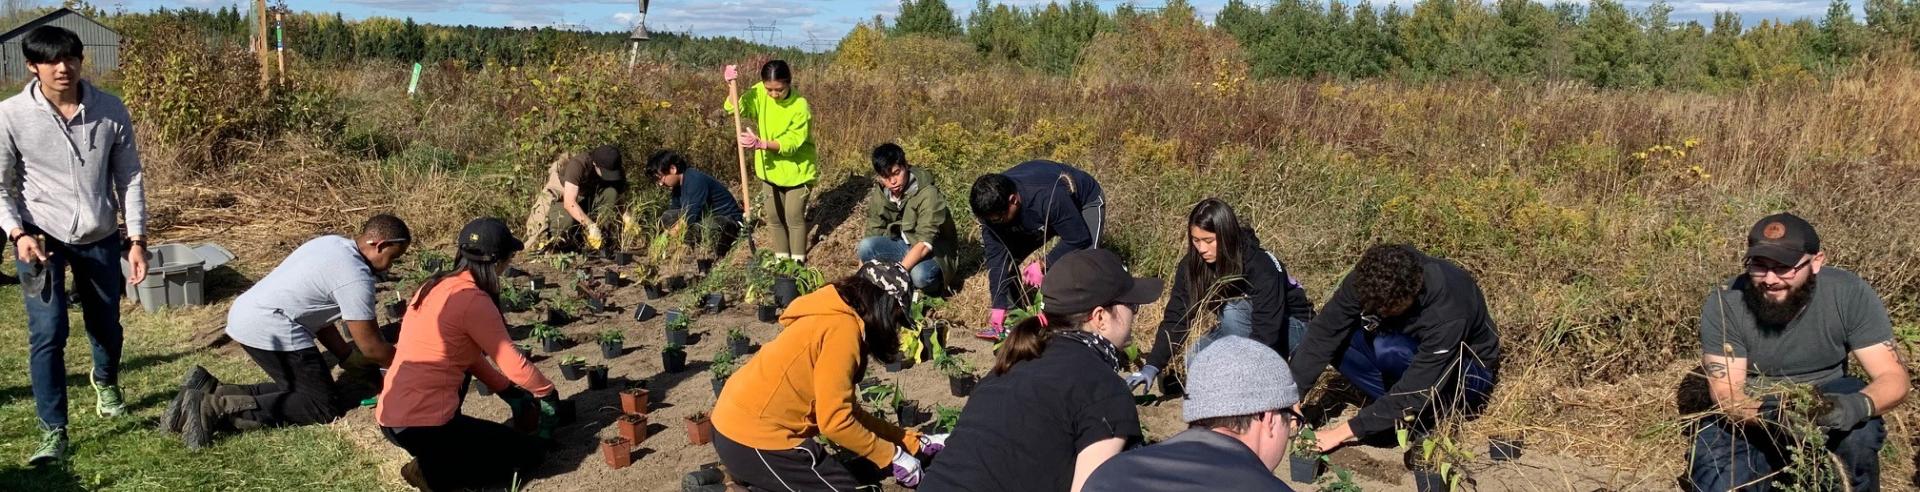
[906, 468]
[931, 444]
[1143, 377]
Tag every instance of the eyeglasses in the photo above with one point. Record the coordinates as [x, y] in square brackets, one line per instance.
[1292, 418]
[1757, 269]
[1369, 322]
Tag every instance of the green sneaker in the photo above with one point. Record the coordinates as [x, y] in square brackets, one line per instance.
[53, 448]
[108, 401]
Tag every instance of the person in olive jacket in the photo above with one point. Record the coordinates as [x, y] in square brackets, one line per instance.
[908, 222]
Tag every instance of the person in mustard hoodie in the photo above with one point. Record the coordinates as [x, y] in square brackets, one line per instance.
[801, 385]
[783, 153]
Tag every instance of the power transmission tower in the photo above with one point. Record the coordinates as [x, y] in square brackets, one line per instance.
[818, 45]
[756, 32]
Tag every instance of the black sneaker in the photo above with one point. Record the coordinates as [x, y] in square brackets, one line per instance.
[196, 378]
[197, 419]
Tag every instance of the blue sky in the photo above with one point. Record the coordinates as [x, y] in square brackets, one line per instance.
[797, 20]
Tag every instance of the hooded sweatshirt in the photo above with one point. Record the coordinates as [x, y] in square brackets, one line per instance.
[787, 122]
[801, 385]
[67, 177]
[1266, 284]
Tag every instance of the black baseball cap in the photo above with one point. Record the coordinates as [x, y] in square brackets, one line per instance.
[487, 240]
[1784, 238]
[607, 158]
[1090, 278]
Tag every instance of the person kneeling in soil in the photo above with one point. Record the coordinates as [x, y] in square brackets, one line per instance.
[1227, 273]
[908, 222]
[1240, 415]
[1413, 333]
[1792, 319]
[1019, 211]
[702, 209]
[1053, 410]
[579, 188]
[280, 320]
[453, 326]
[801, 385]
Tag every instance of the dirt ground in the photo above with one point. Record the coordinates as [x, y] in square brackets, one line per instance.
[665, 455]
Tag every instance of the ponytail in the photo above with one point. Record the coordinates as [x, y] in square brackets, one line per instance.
[1028, 339]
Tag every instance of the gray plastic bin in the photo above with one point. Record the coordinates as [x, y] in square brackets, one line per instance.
[177, 274]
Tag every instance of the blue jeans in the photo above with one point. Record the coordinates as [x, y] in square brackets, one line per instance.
[926, 274]
[1236, 319]
[1726, 454]
[1374, 366]
[99, 285]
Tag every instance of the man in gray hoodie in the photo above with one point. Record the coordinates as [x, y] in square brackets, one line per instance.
[70, 166]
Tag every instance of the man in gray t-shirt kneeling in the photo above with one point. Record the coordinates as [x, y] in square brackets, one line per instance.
[281, 321]
[1791, 319]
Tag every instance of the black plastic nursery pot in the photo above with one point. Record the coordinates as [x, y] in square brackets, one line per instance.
[961, 386]
[515, 272]
[768, 313]
[552, 345]
[611, 277]
[623, 258]
[644, 312]
[675, 315]
[739, 346]
[1429, 481]
[900, 363]
[705, 265]
[573, 372]
[1305, 469]
[556, 317]
[785, 290]
[654, 292]
[677, 337]
[714, 302]
[395, 310]
[526, 352]
[538, 282]
[673, 362]
[611, 350]
[675, 282]
[1505, 448]
[596, 305]
[907, 414]
[596, 378]
[718, 384]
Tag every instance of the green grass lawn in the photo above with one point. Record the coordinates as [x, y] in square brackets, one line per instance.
[130, 453]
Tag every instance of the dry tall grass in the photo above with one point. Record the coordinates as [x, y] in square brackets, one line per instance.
[1595, 220]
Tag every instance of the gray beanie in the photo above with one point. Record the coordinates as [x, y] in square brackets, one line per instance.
[1236, 376]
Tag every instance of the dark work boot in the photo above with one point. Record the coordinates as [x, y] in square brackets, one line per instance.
[411, 473]
[204, 413]
[196, 378]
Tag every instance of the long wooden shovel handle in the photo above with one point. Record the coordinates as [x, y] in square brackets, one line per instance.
[746, 193]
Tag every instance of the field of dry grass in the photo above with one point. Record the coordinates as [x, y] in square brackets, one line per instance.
[1595, 220]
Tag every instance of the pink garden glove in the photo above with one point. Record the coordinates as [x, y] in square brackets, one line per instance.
[1032, 274]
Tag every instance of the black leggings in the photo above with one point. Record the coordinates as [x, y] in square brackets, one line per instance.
[808, 467]
[468, 453]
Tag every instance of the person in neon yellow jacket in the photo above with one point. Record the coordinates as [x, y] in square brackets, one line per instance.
[783, 153]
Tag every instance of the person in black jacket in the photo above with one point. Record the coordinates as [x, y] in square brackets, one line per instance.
[1019, 210]
[699, 201]
[1245, 287]
[1409, 330]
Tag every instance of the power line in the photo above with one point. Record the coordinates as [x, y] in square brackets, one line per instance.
[755, 32]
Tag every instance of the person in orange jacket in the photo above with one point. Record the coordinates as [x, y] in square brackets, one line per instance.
[801, 385]
[453, 328]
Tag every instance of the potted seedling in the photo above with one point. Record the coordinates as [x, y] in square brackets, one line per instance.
[699, 429]
[644, 312]
[722, 369]
[899, 362]
[634, 398]
[514, 299]
[623, 258]
[882, 397]
[551, 340]
[560, 311]
[738, 343]
[945, 419]
[396, 310]
[618, 451]
[785, 290]
[1436, 463]
[633, 427]
[677, 327]
[538, 282]
[526, 350]
[907, 414]
[596, 377]
[960, 379]
[653, 290]
[611, 278]
[767, 313]
[1505, 448]
[572, 367]
[713, 302]
[612, 343]
[1304, 458]
[673, 358]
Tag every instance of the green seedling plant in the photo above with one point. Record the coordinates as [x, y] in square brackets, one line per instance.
[722, 366]
[1439, 453]
[515, 298]
[735, 334]
[682, 323]
[541, 331]
[1341, 481]
[1305, 444]
[673, 348]
[1810, 466]
[951, 365]
[525, 348]
[759, 277]
[562, 262]
[612, 335]
[883, 396]
[573, 360]
[570, 305]
[945, 418]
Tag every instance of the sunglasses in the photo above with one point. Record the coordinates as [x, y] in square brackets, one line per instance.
[1755, 268]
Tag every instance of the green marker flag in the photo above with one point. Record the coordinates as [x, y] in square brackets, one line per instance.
[414, 84]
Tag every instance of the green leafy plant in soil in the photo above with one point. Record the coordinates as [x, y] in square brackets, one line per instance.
[1810, 467]
[884, 397]
[541, 331]
[612, 335]
[723, 365]
[945, 418]
[573, 360]
[514, 298]
[1341, 480]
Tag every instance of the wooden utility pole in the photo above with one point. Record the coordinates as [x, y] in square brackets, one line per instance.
[260, 33]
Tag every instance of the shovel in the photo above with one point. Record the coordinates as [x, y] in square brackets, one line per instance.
[746, 193]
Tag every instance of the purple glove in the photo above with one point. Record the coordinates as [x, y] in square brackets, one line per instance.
[906, 468]
[932, 444]
[1032, 274]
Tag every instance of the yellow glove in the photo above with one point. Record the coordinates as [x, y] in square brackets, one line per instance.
[594, 239]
